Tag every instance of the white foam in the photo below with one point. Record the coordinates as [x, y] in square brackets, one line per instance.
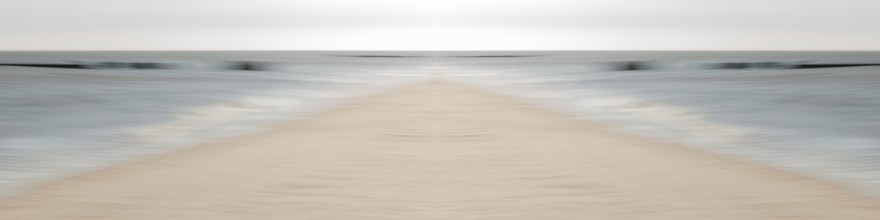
[205, 117]
[669, 116]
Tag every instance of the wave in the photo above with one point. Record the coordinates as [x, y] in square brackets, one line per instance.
[673, 114]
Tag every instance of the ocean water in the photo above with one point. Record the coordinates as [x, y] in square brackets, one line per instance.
[819, 122]
[59, 122]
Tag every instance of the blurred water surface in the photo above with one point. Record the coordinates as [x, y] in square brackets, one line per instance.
[57, 122]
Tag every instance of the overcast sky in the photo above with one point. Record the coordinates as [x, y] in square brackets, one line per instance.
[439, 25]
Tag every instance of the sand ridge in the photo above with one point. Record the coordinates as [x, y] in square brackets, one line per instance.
[439, 151]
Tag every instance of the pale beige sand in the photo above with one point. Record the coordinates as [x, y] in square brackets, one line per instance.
[439, 151]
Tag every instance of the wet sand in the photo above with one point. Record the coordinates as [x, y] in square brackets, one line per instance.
[439, 151]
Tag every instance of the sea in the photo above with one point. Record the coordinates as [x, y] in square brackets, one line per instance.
[754, 106]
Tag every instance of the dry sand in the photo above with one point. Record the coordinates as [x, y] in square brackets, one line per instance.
[439, 151]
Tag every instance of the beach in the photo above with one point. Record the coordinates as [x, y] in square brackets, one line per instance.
[439, 150]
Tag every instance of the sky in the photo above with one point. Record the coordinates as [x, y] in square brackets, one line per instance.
[439, 25]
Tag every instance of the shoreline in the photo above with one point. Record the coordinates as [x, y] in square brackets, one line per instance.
[440, 151]
[615, 124]
[243, 126]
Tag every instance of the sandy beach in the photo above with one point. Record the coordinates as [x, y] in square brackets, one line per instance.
[439, 151]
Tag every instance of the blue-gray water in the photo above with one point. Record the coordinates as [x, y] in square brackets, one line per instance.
[820, 122]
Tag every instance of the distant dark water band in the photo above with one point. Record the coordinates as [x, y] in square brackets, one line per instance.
[263, 66]
[413, 56]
